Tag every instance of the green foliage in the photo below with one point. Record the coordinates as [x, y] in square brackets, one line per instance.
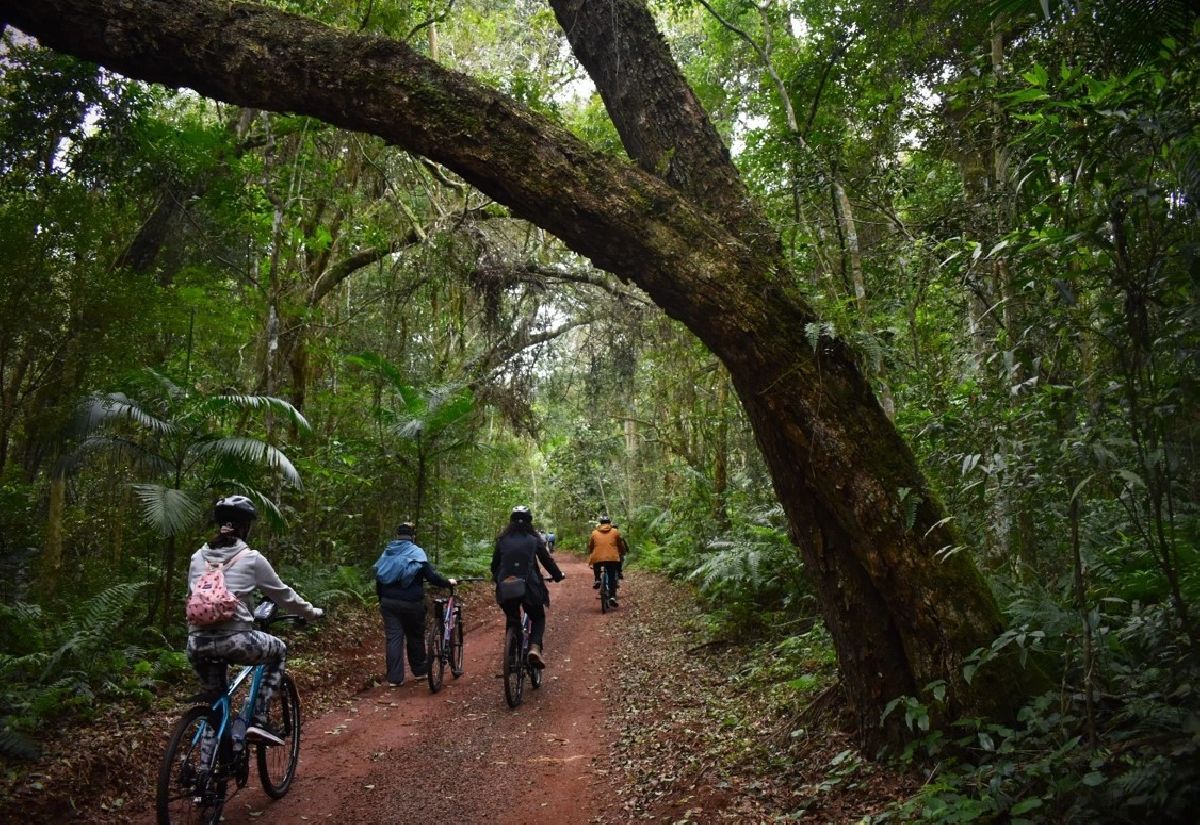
[747, 581]
[1144, 720]
[59, 668]
[1022, 179]
[176, 434]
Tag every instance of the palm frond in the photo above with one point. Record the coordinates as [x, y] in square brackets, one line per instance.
[411, 428]
[448, 405]
[434, 411]
[252, 451]
[222, 403]
[167, 510]
[131, 451]
[415, 403]
[98, 411]
[160, 382]
[376, 363]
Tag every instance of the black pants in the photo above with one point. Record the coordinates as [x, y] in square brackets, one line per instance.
[614, 574]
[537, 619]
[403, 622]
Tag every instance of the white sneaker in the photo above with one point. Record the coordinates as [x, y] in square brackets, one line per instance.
[262, 732]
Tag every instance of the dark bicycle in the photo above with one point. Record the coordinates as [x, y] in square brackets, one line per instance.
[516, 663]
[444, 638]
[208, 747]
[606, 590]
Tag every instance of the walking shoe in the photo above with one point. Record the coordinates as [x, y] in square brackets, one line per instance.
[535, 656]
[596, 585]
[264, 732]
[395, 684]
[613, 603]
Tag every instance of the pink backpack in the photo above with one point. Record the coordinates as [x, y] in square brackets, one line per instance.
[210, 601]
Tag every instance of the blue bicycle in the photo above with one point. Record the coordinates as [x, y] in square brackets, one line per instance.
[208, 748]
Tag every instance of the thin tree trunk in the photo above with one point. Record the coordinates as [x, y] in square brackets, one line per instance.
[859, 283]
[721, 457]
[1084, 617]
[50, 564]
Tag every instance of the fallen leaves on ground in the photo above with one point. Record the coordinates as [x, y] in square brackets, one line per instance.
[699, 743]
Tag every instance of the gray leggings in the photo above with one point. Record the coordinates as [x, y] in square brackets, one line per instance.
[211, 656]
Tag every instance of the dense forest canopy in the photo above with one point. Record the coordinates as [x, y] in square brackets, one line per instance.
[883, 316]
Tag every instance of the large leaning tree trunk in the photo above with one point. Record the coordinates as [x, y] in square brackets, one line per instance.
[904, 610]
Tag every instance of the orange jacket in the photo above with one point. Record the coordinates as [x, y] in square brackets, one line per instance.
[605, 544]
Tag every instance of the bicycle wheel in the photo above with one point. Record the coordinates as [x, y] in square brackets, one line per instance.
[435, 657]
[187, 789]
[514, 668]
[456, 646]
[277, 763]
[604, 593]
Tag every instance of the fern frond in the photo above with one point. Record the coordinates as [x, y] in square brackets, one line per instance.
[15, 745]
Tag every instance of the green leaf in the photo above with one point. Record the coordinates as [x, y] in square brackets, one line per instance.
[1131, 478]
[1036, 76]
[1092, 779]
[1026, 806]
[252, 451]
[117, 407]
[257, 402]
[1026, 96]
[169, 511]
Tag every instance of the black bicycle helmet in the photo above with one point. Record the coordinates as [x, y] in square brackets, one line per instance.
[406, 528]
[605, 520]
[237, 509]
[521, 513]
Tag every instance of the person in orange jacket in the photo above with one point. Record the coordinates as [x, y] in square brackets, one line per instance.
[606, 549]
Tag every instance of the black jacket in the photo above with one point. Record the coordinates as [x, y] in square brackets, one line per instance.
[518, 554]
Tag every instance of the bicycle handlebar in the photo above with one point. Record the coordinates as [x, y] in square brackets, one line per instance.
[466, 580]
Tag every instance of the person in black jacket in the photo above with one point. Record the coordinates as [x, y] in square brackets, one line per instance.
[400, 576]
[518, 550]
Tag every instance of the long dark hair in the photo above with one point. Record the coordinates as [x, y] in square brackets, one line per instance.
[517, 527]
[229, 533]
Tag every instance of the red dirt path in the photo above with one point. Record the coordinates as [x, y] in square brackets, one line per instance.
[462, 755]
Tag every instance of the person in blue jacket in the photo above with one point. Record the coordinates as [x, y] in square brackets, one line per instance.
[400, 576]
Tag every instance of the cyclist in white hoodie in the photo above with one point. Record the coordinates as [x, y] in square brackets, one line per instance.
[212, 648]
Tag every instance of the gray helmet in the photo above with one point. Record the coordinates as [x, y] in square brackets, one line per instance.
[236, 509]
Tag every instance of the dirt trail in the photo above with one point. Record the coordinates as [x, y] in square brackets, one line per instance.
[404, 754]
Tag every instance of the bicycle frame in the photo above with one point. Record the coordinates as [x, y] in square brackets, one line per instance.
[449, 619]
[208, 748]
[224, 704]
[526, 625]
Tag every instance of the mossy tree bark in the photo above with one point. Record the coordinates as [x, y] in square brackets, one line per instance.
[903, 609]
